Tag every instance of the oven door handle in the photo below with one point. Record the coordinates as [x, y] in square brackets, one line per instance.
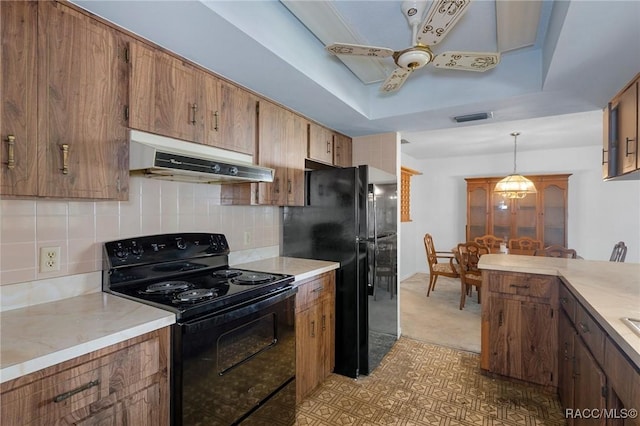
[235, 312]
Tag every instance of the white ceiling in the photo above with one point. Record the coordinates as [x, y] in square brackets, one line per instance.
[585, 51]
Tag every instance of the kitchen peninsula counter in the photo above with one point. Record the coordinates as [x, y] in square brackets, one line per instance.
[40, 336]
[610, 291]
[300, 268]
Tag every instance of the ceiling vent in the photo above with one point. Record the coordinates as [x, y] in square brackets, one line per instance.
[472, 117]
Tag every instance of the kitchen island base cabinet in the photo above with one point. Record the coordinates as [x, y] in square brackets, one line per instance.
[315, 332]
[519, 326]
[123, 384]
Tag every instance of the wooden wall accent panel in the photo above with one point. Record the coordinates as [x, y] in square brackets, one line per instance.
[405, 193]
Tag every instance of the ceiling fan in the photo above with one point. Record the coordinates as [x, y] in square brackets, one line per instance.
[427, 32]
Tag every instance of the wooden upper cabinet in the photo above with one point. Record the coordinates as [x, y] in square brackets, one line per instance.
[18, 85]
[83, 77]
[541, 216]
[74, 144]
[621, 125]
[627, 105]
[282, 146]
[342, 150]
[320, 143]
[238, 119]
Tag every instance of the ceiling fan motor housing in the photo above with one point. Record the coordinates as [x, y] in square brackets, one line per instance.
[414, 58]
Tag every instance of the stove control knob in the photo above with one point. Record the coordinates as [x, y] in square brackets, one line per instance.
[136, 249]
[181, 244]
[233, 170]
[121, 252]
[215, 168]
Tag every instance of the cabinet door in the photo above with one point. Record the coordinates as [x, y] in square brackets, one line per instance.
[272, 152]
[553, 201]
[209, 111]
[175, 100]
[320, 143]
[238, 119]
[83, 80]
[502, 216]
[589, 383]
[525, 217]
[18, 29]
[296, 153]
[566, 388]
[477, 210]
[627, 106]
[328, 329]
[342, 150]
[308, 348]
[523, 340]
[142, 88]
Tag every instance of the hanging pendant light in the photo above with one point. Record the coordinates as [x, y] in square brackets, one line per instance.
[515, 185]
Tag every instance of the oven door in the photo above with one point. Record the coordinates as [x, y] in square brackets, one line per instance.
[236, 365]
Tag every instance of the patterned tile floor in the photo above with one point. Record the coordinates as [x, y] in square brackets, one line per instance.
[423, 384]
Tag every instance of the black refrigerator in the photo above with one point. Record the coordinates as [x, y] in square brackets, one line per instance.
[334, 225]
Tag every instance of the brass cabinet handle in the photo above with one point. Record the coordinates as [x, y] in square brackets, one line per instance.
[519, 285]
[324, 322]
[289, 186]
[194, 108]
[276, 183]
[69, 394]
[216, 115]
[500, 319]
[317, 289]
[313, 329]
[328, 147]
[11, 158]
[65, 158]
[604, 151]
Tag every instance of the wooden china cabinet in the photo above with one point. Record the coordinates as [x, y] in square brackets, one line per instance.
[541, 216]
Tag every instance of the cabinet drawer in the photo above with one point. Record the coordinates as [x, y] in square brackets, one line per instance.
[591, 333]
[568, 303]
[315, 290]
[529, 285]
[58, 395]
[623, 376]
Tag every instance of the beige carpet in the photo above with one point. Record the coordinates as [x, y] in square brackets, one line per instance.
[437, 318]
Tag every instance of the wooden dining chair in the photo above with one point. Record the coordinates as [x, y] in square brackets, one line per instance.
[524, 245]
[447, 268]
[468, 256]
[619, 252]
[557, 251]
[489, 241]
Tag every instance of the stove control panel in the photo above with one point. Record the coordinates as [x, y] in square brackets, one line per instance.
[163, 248]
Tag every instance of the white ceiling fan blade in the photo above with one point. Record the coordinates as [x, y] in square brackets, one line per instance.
[442, 16]
[395, 80]
[467, 61]
[359, 50]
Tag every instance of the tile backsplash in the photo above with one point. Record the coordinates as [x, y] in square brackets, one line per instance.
[155, 207]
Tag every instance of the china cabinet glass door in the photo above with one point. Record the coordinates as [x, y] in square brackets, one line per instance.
[477, 213]
[554, 217]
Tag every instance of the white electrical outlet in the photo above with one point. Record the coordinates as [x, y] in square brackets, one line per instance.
[247, 238]
[49, 259]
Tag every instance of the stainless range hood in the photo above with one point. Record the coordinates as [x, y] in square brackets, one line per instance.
[172, 159]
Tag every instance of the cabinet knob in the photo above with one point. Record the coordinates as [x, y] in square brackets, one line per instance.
[65, 158]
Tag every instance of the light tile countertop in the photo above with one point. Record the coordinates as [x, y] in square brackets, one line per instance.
[301, 268]
[610, 291]
[39, 336]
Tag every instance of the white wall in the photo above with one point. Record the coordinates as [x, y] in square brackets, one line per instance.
[599, 213]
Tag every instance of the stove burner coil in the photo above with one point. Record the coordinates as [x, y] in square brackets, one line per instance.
[248, 278]
[227, 273]
[195, 295]
[165, 287]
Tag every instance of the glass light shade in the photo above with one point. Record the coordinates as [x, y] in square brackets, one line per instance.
[515, 186]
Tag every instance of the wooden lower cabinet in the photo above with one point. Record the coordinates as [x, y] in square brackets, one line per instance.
[315, 332]
[519, 326]
[123, 384]
[595, 375]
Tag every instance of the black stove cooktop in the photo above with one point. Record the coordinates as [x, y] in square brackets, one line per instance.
[185, 273]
